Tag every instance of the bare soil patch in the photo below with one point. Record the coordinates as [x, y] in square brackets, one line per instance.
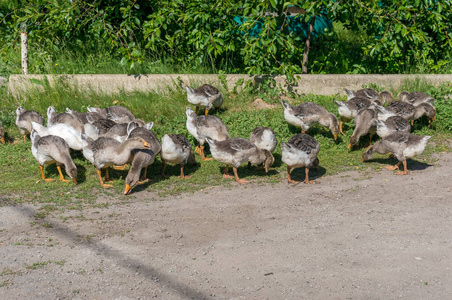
[258, 103]
[356, 235]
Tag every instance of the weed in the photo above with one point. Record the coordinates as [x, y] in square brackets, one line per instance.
[8, 272]
[5, 283]
[41, 215]
[87, 237]
[37, 265]
[23, 244]
[61, 262]
[47, 225]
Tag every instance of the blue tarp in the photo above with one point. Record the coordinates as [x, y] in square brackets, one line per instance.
[294, 25]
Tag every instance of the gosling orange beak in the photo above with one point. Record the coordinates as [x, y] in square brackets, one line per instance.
[74, 180]
[349, 146]
[2, 140]
[147, 145]
[335, 136]
[127, 189]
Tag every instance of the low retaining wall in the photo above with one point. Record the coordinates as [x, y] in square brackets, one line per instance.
[307, 84]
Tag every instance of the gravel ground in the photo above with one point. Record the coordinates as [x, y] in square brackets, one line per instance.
[356, 235]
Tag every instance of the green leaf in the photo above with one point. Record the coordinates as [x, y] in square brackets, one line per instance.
[273, 3]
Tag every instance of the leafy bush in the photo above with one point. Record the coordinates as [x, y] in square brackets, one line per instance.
[374, 37]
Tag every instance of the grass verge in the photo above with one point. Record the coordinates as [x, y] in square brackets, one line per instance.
[20, 180]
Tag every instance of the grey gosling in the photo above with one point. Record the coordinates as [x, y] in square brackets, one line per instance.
[403, 145]
[24, 119]
[103, 125]
[66, 118]
[117, 113]
[408, 111]
[391, 125]
[415, 98]
[142, 158]
[300, 151]
[349, 109]
[202, 127]
[265, 139]
[307, 114]
[108, 152]
[426, 109]
[236, 151]
[372, 95]
[53, 149]
[206, 95]
[84, 116]
[365, 122]
[176, 149]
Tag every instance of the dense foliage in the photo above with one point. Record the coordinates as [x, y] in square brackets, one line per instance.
[253, 36]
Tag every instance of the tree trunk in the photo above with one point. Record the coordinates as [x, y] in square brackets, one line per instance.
[306, 48]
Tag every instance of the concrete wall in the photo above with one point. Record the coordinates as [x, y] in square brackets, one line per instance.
[315, 84]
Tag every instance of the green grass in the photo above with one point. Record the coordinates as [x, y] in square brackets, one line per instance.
[20, 174]
[96, 61]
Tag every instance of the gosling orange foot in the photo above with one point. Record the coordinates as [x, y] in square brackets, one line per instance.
[184, 176]
[41, 168]
[142, 181]
[395, 167]
[62, 176]
[289, 178]
[107, 176]
[401, 173]
[405, 172]
[242, 181]
[391, 168]
[306, 180]
[120, 168]
[236, 176]
[99, 175]
[198, 150]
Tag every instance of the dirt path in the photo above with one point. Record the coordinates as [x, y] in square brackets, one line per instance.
[353, 236]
